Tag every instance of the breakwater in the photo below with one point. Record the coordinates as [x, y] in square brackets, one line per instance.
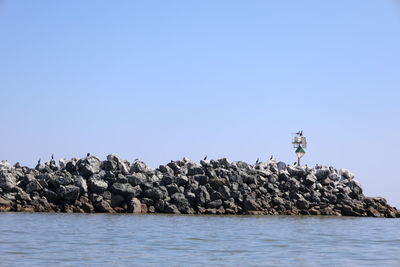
[185, 187]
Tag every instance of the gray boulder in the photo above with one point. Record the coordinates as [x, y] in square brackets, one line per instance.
[202, 195]
[136, 178]
[97, 186]
[156, 193]
[126, 189]
[171, 208]
[117, 201]
[302, 204]
[50, 195]
[89, 165]
[81, 183]
[182, 180]
[180, 202]
[33, 186]
[278, 201]
[7, 181]
[134, 206]
[69, 193]
[194, 170]
[346, 174]
[251, 205]
[310, 180]
[139, 166]
[215, 204]
[322, 173]
[71, 166]
[201, 179]
[296, 171]
[62, 180]
[103, 206]
[172, 189]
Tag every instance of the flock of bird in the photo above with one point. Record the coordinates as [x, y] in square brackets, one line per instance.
[205, 158]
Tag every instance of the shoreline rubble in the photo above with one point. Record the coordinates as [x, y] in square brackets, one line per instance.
[220, 187]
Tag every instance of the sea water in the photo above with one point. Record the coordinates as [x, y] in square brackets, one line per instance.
[46, 239]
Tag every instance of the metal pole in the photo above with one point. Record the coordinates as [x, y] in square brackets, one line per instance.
[298, 161]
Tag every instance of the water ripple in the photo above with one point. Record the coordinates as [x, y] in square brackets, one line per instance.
[32, 239]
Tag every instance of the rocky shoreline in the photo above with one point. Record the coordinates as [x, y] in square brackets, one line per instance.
[220, 187]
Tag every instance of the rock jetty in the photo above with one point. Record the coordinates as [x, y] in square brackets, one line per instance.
[221, 187]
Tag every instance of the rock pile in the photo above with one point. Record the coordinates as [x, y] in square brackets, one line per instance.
[211, 187]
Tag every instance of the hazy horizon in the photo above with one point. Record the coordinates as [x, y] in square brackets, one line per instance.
[162, 80]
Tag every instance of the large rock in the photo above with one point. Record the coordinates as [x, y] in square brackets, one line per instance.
[296, 171]
[194, 170]
[7, 181]
[310, 180]
[180, 202]
[62, 180]
[182, 180]
[346, 174]
[303, 204]
[97, 186]
[126, 189]
[322, 173]
[215, 204]
[134, 206]
[86, 205]
[251, 205]
[33, 186]
[104, 207]
[201, 179]
[136, 178]
[156, 193]
[89, 165]
[69, 193]
[5, 204]
[139, 166]
[114, 163]
[50, 195]
[202, 196]
[71, 166]
[171, 208]
[81, 183]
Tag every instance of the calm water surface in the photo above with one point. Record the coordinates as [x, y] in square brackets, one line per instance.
[34, 239]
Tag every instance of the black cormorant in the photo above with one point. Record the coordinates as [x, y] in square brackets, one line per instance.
[205, 157]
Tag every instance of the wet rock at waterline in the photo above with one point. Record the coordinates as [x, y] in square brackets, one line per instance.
[185, 187]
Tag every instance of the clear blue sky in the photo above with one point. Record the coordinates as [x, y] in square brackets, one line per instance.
[159, 80]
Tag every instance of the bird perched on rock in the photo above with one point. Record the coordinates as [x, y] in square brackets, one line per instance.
[88, 154]
[271, 157]
[205, 158]
[257, 161]
[52, 156]
[38, 165]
